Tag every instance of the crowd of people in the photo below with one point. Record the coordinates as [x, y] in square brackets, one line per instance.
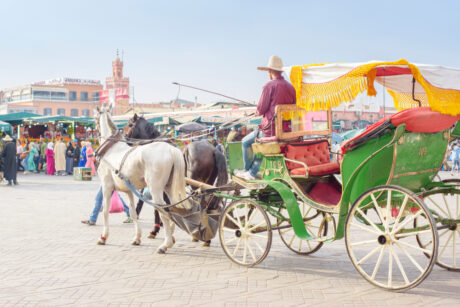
[51, 157]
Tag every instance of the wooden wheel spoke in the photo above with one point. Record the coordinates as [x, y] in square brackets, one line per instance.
[245, 214]
[309, 245]
[379, 260]
[372, 252]
[401, 210]
[410, 219]
[258, 225]
[377, 208]
[446, 204]
[444, 232]
[251, 216]
[453, 252]
[237, 247]
[234, 221]
[410, 257]
[401, 269]
[300, 245]
[447, 243]
[423, 250]
[390, 266]
[259, 247]
[387, 215]
[258, 236]
[250, 251]
[369, 221]
[231, 240]
[363, 242]
[292, 240]
[245, 250]
[437, 206]
[229, 229]
[408, 234]
[366, 228]
[283, 231]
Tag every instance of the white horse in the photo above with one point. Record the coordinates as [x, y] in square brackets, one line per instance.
[158, 165]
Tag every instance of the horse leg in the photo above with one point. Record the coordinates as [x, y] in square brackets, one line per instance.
[169, 239]
[133, 214]
[107, 194]
[156, 227]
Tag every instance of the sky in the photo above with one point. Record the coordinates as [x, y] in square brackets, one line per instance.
[215, 45]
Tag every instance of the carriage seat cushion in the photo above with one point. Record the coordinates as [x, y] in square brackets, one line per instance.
[421, 120]
[315, 154]
[424, 120]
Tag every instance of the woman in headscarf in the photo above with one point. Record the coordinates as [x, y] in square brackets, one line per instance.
[50, 170]
[90, 158]
[76, 154]
[69, 159]
[33, 153]
[82, 155]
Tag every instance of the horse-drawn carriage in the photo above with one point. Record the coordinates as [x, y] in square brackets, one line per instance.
[397, 221]
[382, 197]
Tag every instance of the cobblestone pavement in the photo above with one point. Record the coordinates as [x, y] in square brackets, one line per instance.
[48, 258]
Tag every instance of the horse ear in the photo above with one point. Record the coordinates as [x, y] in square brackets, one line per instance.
[110, 108]
[135, 117]
[96, 111]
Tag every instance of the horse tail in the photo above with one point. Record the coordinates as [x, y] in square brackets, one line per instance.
[177, 179]
[221, 165]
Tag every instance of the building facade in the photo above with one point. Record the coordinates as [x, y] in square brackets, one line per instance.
[61, 96]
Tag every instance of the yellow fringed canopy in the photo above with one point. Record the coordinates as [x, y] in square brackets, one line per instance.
[324, 86]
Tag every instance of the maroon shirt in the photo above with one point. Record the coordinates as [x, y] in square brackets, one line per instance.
[275, 92]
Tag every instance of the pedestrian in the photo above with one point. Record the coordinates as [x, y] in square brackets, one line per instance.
[25, 157]
[97, 208]
[43, 147]
[9, 161]
[82, 162]
[33, 153]
[36, 158]
[69, 159]
[59, 157]
[19, 151]
[76, 153]
[50, 170]
[276, 91]
[455, 159]
[90, 158]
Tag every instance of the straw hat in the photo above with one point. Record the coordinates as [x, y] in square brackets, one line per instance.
[274, 63]
[7, 138]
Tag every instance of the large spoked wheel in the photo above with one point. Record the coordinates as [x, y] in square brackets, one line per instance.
[445, 208]
[245, 232]
[315, 223]
[381, 239]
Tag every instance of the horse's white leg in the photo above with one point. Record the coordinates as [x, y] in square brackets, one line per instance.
[133, 215]
[169, 239]
[107, 194]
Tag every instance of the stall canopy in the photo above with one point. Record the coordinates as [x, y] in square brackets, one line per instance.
[17, 118]
[324, 86]
[6, 127]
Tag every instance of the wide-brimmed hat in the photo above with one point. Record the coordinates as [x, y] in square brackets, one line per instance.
[7, 138]
[274, 63]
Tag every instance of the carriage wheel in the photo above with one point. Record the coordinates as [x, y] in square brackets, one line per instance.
[316, 224]
[381, 240]
[446, 212]
[245, 232]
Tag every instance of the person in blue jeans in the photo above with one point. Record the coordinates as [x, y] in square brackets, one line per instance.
[97, 208]
[251, 162]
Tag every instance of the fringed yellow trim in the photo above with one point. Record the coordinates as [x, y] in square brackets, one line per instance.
[324, 96]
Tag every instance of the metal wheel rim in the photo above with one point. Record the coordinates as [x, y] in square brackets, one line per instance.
[390, 240]
[249, 248]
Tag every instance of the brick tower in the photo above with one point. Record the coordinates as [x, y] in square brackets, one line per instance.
[118, 87]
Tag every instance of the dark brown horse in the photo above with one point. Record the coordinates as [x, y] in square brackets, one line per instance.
[204, 162]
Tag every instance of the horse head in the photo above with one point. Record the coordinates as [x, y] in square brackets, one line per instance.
[104, 123]
[129, 129]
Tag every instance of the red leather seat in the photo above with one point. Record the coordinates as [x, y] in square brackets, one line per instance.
[315, 154]
[417, 120]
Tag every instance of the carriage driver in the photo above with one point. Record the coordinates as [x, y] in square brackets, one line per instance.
[276, 91]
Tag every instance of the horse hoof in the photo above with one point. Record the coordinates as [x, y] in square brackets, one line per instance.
[206, 244]
[151, 236]
[101, 242]
[194, 240]
[136, 242]
[174, 240]
[161, 251]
